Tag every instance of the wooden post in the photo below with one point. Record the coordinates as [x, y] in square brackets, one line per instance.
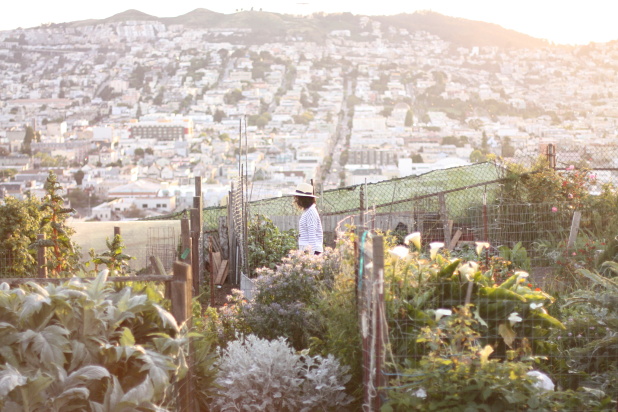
[574, 228]
[181, 310]
[362, 206]
[186, 253]
[199, 231]
[41, 260]
[196, 231]
[377, 314]
[446, 226]
[116, 230]
[551, 155]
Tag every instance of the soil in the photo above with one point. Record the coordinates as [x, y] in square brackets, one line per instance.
[221, 293]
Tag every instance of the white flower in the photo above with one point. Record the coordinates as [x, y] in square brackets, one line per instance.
[468, 269]
[542, 381]
[400, 251]
[415, 238]
[514, 318]
[480, 246]
[521, 276]
[443, 312]
[536, 305]
[433, 249]
[420, 393]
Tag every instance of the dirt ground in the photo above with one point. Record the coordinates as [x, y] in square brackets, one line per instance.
[221, 293]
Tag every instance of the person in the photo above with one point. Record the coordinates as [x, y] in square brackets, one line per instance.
[310, 235]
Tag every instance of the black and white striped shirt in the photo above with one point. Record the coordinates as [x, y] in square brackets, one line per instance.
[310, 230]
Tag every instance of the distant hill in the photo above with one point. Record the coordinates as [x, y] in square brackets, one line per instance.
[462, 31]
[267, 26]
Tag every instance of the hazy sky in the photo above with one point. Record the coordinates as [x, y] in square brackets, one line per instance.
[560, 21]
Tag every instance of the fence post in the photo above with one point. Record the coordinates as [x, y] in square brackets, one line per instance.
[378, 314]
[186, 255]
[116, 230]
[41, 260]
[196, 231]
[362, 206]
[446, 223]
[181, 310]
[551, 155]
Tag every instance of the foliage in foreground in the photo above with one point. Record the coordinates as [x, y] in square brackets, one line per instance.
[83, 346]
[261, 375]
[458, 375]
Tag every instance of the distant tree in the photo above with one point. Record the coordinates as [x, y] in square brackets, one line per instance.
[139, 152]
[477, 156]
[26, 147]
[79, 177]
[233, 97]
[149, 151]
[417, 158]
[79, 198]
[409, 119]
[507, 148]
[7, 174]
[218, 115]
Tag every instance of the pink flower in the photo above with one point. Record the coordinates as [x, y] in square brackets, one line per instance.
[571, 167]
[570, 195]
[592, 176]
[574, 254]
[554, 209]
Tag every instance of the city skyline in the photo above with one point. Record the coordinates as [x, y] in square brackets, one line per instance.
[558, 22]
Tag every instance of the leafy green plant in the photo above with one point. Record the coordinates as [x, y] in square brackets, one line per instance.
[114, 258]
[282, 305]
[257, 374]
[511, 314]
[19, 227]
[62, 258]
[517, 255]
[589, 345]
[84, 346]
[267, 244]
[457, 374]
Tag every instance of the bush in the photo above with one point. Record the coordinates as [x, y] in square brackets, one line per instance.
[257, 374]
[267, 244]
[84, 346]
[282, 306]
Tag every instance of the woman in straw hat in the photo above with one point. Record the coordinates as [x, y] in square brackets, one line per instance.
[309, 226]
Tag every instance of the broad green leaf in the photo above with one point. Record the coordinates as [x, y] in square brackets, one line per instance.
[546, 320]
[507, 333]
[143, 392]
[126, 337]
[500, 294]
[85, 374]
[10, 378]
[166, 317]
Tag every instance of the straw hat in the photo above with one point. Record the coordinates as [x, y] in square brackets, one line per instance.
[304, 189]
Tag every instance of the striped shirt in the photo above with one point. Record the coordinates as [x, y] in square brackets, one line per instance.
[310, 230]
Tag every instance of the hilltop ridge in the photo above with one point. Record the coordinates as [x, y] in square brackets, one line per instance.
[269, 26]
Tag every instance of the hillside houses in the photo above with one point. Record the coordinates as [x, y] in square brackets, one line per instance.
[133, 102]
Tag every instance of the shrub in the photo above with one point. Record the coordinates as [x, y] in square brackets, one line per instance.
[257, 374]
[84, 346]
[267, 244]
[282, 306]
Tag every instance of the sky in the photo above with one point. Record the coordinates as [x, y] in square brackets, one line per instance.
[559, 21]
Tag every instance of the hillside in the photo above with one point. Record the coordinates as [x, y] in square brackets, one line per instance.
[267, 26]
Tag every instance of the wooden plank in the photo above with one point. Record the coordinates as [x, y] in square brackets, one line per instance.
[454, 240]
[221, 273]
[574, 229]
